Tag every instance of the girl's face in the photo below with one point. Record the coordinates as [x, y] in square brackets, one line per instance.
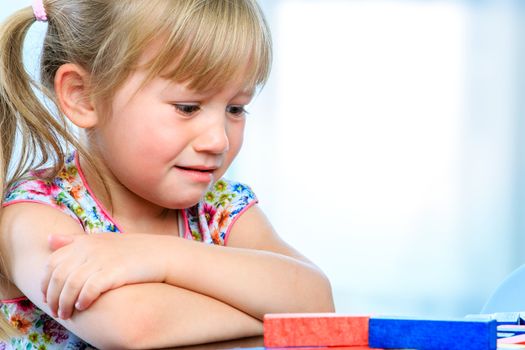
[168, 144]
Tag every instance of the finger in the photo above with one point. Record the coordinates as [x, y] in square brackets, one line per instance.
[71, 290]
[45, 281]
[59, 241]
[56, 284]
[54, 260]
[98, 283]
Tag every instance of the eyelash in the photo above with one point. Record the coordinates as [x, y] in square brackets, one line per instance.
[241, 110]
[187, 109]
[191, 109]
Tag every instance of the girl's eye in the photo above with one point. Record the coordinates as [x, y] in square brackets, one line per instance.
[187, 109]
[237, 111]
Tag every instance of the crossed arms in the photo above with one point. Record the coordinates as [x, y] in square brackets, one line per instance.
[150, 291]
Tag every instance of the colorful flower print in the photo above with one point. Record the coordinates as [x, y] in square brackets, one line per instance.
[208, 222]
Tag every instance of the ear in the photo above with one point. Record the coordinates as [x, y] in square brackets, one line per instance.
[72, 91]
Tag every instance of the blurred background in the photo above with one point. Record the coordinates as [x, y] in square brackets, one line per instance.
[389, 148]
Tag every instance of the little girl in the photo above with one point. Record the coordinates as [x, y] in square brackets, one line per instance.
[140, 242]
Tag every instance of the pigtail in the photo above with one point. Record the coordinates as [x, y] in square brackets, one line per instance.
[42, 137]
[14, 88]
[24, 121]
[11, 40]
[23, 118]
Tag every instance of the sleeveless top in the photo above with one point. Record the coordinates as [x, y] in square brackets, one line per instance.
[209, 221]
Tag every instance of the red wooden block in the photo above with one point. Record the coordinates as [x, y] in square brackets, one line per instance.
[315, 329]
[329, 348]
[518, 339]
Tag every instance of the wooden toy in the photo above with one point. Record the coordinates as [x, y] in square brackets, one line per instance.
[515, 318]
[315, 329]
[425, 334]
[510, 346]
[505, 330]
[518, 339]
[321, 348]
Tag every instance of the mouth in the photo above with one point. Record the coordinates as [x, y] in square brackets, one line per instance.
[198, 169]
[197, 174]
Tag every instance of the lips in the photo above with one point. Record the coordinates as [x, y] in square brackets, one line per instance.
[202, 169]
[197, 173]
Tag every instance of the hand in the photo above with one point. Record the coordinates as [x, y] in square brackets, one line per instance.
[83, 267]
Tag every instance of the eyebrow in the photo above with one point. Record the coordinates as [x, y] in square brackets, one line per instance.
[246, 93]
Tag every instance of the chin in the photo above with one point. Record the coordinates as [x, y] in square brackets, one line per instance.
[182, 203]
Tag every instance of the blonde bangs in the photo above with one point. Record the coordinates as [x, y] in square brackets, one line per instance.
[213, 44]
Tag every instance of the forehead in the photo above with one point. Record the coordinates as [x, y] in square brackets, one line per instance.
[137, 85]
[210, 67]
[234, 89]
[240, 77]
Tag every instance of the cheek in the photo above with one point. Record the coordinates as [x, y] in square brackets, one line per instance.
[236, 137]
[142, 137]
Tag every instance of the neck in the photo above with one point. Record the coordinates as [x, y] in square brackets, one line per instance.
[132, 213]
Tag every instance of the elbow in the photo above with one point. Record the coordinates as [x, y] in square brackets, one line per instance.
[316, 292]
[130, 335]
[139, 330]
[119, 326]
[324, 300]
[121, 334]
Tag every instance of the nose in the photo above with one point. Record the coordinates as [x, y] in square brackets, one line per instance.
[213, 138]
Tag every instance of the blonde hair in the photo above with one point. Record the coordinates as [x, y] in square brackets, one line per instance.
[206, 43]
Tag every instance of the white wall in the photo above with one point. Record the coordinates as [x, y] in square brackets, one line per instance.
[385, 147]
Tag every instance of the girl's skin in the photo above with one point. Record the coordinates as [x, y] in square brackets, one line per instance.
[162, 146]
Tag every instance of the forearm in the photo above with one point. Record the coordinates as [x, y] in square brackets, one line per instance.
[254, 281]
[157, 315]
[139, 315]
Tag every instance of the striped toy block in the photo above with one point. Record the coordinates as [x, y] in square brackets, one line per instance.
[518, 339]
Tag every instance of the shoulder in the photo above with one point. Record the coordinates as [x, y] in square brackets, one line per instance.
[40, 191]
[212, 218]
[25, 222]
[44, 187]
[25, 228]
[66, 191]
[229, 194]
[253, 230]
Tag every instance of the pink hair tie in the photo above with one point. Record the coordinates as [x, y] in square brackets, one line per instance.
[39, 10]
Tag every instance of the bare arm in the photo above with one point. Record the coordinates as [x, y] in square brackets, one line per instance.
[257, 273]
[157, 315]
[149, 315]
[222, 280]
[260, 275]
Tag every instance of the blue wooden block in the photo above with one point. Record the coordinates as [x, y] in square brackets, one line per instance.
[425, 334]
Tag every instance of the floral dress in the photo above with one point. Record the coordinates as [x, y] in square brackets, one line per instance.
[209, 221]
